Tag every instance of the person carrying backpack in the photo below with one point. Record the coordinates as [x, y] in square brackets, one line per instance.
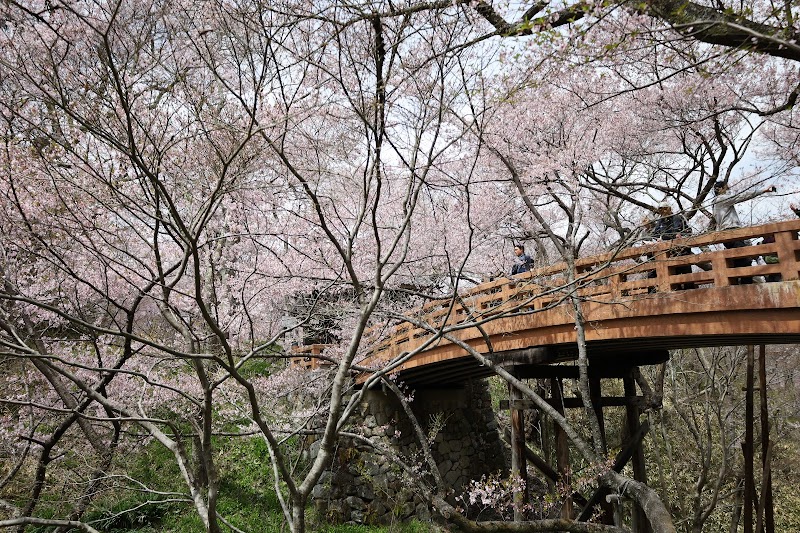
[670, 226]
[522, 262]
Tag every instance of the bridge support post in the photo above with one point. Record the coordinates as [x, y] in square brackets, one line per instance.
[519, 467]
[639, 519]
[765, 508]
[596, 394]
[546, 435]
[747, 445]
[562, 446]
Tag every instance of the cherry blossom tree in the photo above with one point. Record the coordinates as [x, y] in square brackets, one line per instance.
[648, 46]
[173, 173]
[177, 174]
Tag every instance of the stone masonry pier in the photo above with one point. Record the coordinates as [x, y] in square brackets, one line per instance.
[364, 487]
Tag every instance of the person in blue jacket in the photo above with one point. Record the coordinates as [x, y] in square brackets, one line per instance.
[522, 262]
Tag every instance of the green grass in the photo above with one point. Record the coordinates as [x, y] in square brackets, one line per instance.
[247, 497]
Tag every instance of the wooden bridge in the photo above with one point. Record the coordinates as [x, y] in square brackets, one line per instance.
[637, 304]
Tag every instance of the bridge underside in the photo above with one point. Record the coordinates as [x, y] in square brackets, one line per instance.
[619, 334]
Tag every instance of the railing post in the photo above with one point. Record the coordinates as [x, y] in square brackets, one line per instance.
[787, 257]
[662, 272]
[614, 281]
[507, 294]
[315, 351]
[719, 267]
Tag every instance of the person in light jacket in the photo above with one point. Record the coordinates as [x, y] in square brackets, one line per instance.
[726, 217]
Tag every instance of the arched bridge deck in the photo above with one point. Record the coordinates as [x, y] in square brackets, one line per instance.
[635, 303]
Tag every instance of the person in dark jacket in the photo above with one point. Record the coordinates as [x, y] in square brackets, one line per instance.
[670, 226]
[523, 261]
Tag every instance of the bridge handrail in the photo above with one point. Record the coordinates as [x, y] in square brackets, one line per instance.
[307, 358]
[633, 272]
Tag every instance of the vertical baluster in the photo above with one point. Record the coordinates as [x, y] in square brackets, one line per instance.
[662, 271]
[787, 256]
[614, 281]
[719, 267]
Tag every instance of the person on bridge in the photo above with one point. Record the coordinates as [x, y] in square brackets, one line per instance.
[522, 262]
[726, 217]
[670, 226]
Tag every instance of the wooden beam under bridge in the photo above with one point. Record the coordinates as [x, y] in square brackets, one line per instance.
[574, 403]
[600, 366]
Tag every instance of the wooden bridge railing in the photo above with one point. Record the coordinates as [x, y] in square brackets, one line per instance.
[307, 356]
[632, 273]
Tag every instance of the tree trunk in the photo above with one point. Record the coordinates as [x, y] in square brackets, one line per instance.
[657, 514]
[298, 524]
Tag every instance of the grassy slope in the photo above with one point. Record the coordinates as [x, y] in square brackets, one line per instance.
[247, 499]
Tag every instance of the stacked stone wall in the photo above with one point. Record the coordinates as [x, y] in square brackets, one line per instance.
[364, 487]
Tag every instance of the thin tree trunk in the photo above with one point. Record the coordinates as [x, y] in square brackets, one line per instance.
[736, 514]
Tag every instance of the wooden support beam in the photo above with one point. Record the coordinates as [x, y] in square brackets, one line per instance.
[765, 508]
[437, 375]
[542, 466]
[600, 366]
[562, 447]
[747, 445]
[546, 434]
[576, 403]
[519, 467]
[766, 483]
[526, 356]
[640, 522]
[571, 372]
[596, 395]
